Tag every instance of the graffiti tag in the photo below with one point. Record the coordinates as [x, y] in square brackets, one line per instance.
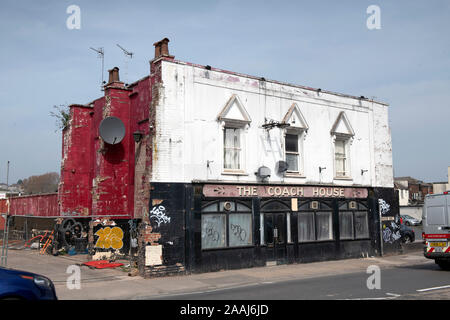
[159, 213]
[109, 238]
[384, 206]
[391, 233]
[212, 234]
[239, 232]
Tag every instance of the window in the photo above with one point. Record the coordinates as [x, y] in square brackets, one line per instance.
[213, 231]
[292, 152]
[240, 226]
[361, 225]
[226, 224]
[324, 226]
[232, 148]
[306, 227]
[353, 224]
[315, 224]
[346, 225]
[341, 158]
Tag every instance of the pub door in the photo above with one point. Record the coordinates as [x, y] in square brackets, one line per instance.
[275, 236]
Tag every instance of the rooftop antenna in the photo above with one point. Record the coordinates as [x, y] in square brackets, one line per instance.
[127, 54]
[101, 54]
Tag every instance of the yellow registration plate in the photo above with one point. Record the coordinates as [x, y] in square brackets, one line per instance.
[438, 244]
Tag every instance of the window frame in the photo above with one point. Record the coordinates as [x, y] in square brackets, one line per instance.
[346, 140]
[360, 208]
[234, 210]
[242, 127]
[300, 133]
[323, 208]
[233, 148]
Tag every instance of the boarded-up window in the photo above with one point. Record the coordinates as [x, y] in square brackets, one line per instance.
[213, 231]
[240, 229]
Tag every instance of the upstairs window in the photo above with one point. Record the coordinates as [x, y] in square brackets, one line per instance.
[235, 122]
[341, 158]
[343, 135]
[232, 148]
[292, 152]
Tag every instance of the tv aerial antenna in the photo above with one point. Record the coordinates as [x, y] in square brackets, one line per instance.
[101, 54]
[127, 54]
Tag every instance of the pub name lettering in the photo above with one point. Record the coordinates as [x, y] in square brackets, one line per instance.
[248, 191]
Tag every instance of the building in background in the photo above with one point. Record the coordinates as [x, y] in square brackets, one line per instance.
[412, 194]
[203, 169]
[440, 187]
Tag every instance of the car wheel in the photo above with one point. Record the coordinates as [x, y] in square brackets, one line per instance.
[407, 239]
[11, 298]
[444, 265]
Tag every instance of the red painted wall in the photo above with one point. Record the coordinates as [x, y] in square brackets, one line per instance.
[112, 180]
[98, 179]
[44, 205]
[76, 164]
[3, 210]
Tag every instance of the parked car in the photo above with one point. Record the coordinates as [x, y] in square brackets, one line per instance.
[22, 285]
[410, 221]
[407, 234]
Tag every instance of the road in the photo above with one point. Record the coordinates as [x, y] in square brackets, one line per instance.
[401, 276]
[423, 281]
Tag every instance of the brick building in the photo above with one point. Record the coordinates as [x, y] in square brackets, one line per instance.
[220, 170]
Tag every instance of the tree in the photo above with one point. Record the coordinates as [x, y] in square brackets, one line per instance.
[45, 183]
[62, 115]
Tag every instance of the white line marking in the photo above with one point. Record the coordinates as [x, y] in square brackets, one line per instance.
[392, 294]
[435, 288]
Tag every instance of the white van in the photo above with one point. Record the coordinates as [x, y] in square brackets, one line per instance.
[436, 228]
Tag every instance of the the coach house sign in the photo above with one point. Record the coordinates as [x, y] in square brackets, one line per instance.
[236, 191]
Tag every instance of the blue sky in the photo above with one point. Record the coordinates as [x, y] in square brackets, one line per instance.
[322, 44]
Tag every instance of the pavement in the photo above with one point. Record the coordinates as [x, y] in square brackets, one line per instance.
[117, 284]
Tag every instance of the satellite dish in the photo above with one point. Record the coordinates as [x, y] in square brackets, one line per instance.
[112, 130]
[263, 172]
[282, 166]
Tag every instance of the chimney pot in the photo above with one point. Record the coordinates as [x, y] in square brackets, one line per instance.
[162, 48]
[113, 75]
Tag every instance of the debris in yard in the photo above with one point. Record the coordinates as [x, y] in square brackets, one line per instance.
[102, 264]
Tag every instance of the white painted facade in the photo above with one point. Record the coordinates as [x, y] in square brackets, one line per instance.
[195, 104]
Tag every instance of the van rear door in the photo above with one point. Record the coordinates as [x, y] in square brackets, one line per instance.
[436, 214]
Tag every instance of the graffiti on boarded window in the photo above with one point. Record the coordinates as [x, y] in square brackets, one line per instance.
[109, 238]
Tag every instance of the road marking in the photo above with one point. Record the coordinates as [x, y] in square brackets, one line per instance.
[391, 296]
[435, 288]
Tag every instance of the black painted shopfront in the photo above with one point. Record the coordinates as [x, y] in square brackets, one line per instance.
[229, 226]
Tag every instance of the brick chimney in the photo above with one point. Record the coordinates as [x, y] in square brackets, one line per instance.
[114, 80]
[113, 75]
[162, 49]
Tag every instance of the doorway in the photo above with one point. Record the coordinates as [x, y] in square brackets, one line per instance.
[275, 236]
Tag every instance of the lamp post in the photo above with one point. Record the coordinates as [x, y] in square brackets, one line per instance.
[7, 175]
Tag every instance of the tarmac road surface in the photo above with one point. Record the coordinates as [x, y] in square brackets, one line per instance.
[406, 276]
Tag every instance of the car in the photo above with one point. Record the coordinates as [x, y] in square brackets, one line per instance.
[410, 221]
[22, 285]
[407, 234]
